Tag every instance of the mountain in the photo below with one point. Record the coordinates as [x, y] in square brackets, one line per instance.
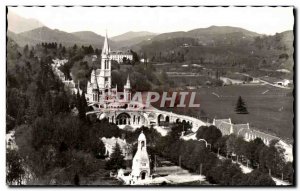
[127, 44]
[93, 38]
[210, 34]
[89, 37]
[20, 40]
[229, 46]
[45, 34]
[220, 30]
[18, 24]
[133, 35]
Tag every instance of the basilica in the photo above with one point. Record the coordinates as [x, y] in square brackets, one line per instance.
[121, 108]
[99, 88]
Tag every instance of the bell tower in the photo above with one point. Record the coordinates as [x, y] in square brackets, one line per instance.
[105, 71]
[127, 90]
[141, 162]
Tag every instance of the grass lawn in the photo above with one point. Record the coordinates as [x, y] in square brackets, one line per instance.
[270, 108]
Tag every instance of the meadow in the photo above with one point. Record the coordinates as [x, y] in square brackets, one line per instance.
[270, 108]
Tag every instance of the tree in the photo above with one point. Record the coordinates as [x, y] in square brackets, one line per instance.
[211, 134]
[98, 149]
[253, 149]
[224, 173]
[257, 178]
[14, 171]
[135, 57]
[288, 172]
[231, 146]
[241, 106]
[124, 60]
[81, 106]
[26, 49]
[116, 160]
[76, 180]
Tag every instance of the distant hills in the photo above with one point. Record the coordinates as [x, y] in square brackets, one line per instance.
[222, 44]
[211, 35]
[18, 24]
[45, 34]
[133, 35]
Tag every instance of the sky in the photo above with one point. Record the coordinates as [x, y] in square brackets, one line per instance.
[118, 20]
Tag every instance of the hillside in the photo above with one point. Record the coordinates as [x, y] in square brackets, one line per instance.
[21, 40]
[215, 35]
[45, 34]
[18, 24]
[132, 35]
[125, 44]
[89, 36]
[227, 48]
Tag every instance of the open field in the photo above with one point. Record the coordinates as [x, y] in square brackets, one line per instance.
[270, 108]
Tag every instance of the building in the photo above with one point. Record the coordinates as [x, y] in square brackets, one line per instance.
[99, 88]
[284, 83]
[120, 55]
[141, 162]
[242, 130]
[140, 171]
[105, 101]
[110, 144]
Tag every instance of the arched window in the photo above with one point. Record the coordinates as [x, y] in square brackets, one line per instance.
[142, 144]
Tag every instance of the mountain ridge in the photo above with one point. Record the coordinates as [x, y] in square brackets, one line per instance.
[18, 24]
[131, 35]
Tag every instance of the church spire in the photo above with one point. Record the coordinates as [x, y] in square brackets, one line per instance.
[105, 49]
[127, 85]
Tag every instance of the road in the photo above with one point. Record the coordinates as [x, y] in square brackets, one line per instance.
[265, 82]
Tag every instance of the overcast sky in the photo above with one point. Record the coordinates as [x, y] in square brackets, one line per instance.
[118, 20]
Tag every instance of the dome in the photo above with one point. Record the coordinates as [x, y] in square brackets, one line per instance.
[142, 137]
[102, 116]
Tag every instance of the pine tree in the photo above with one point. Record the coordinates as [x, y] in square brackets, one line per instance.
[98, 149]
[241, 106]
[81, 106]
[116, 160]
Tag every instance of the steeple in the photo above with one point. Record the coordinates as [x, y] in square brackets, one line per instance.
[105, 49]
[127, 85]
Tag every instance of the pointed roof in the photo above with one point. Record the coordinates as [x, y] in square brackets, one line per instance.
[142, 137]
[127, 85]
[95, 85]
[105, 49]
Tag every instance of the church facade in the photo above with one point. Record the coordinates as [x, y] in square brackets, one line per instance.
[105, 101]
[99, 88]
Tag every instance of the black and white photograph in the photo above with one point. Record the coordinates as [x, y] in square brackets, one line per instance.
[150, 96]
